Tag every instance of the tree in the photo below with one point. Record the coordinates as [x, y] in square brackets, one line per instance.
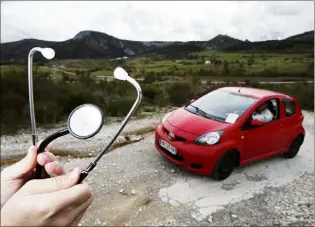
[226, 67]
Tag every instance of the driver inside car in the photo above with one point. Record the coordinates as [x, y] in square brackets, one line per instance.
[263, 113]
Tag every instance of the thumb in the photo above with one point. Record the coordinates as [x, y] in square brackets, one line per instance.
[22, 168]
[52, 184]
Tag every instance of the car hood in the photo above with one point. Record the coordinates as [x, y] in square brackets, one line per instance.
[195, 124]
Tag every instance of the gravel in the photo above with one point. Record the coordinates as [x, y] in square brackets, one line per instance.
[126, 184]
[292, 204]
[18, 144]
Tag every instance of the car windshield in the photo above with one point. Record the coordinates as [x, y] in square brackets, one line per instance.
[221, 106]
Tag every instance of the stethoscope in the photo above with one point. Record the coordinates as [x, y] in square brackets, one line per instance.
[84, 122]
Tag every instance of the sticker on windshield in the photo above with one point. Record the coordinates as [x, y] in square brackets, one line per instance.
[231, 118]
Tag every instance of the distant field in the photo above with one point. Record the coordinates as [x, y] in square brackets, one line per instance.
[266, 63]
[18, 68]
[244, 55]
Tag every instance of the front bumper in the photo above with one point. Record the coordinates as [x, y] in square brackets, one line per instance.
[192, 157]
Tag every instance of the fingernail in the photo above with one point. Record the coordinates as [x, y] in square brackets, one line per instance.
[74, 173]
[30, 151]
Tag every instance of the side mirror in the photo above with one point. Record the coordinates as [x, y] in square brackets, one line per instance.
[256, 122]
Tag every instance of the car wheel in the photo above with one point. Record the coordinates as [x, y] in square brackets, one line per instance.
[225, 165]
[293, 149]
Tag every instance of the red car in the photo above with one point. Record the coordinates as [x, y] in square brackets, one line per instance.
[220, 130]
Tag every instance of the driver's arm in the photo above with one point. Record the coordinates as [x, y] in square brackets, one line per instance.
[268, 115]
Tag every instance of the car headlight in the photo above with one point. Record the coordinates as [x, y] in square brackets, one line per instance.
[210, 138]
[165, 117]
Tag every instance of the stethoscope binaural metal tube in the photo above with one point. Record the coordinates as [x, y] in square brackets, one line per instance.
[48, 53]
[30, 93]
[91, 166]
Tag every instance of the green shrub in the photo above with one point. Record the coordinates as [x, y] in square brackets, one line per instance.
[179, 93]
[150, 93]
[120, 106]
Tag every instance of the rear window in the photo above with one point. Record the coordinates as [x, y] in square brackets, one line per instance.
[289, 106]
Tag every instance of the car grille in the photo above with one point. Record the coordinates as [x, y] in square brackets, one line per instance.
[176, 138]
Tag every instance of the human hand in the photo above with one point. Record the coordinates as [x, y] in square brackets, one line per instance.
[16, 175]
[55, 201]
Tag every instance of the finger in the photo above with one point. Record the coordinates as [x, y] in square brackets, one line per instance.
[23, 167]
[52, 184]
[77, 220]
[73, 197]
[45, 158]
[80, 211]
[54, 168]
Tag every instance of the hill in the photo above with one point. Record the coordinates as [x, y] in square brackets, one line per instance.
[93, 44]
[298, 43]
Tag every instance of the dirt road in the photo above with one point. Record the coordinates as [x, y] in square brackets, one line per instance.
[134, 185]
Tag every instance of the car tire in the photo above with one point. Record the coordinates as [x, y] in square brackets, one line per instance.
[293, 149]
[225, 165]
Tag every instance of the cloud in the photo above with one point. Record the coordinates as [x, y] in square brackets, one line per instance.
[152, 20]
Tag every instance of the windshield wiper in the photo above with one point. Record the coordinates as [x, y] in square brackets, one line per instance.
[203, 113]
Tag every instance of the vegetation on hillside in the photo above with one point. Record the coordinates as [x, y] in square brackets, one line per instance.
[56, 96]
[170, 74]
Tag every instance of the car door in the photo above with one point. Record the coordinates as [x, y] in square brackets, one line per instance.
[264, 139]
[289, 121]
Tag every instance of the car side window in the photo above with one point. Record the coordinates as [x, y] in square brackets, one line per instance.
[267, 111]
[289, 106]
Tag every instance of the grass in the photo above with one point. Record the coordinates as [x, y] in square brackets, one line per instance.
[103, 73]
[141, 131]
[56, 152]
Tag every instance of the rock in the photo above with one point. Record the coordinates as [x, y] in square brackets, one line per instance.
[172, 171]
[234, 216]
[114, 164]
[133, 192]
[156, 171]
[210, 219]
[238, 182]
[121, 190]
[173, 203]
[140, 209]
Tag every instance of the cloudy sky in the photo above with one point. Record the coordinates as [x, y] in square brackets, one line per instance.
[148, 21]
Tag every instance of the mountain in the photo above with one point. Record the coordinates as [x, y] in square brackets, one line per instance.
[306, 36]
[221, 42]
[298, 43]
[93, 44]
[86, 44]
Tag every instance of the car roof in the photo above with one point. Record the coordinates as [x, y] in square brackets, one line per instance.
[254, 92]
